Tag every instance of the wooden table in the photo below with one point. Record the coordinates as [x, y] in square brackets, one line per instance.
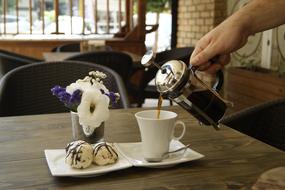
[232, 160]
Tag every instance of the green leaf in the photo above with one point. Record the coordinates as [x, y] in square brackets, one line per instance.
[157, 5]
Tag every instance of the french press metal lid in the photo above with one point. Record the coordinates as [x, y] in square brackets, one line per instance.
[171, 77]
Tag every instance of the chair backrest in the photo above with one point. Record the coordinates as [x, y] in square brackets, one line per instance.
[10, 60]
[265, 122]
[75, 47]
[118, 61]
[26, 89]
[72, 47]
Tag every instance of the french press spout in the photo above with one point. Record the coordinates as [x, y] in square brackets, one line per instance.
[181, 84]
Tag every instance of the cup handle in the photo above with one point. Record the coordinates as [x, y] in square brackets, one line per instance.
[183, 130]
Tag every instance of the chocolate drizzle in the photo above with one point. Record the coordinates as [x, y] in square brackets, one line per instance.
[108, 147]
[75, 158]
[74, 149]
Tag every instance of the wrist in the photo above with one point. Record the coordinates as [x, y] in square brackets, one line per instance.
[243, 24]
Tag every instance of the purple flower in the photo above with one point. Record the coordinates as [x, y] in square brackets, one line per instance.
[75, 99]
[113, 97]
[71, 101]
[57, 90]
[64, 96]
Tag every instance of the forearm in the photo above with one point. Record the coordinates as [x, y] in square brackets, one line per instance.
[260, 15]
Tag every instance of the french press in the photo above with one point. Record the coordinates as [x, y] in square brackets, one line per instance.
[181, 85]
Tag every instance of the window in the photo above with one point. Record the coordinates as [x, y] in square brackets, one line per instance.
[61, 16]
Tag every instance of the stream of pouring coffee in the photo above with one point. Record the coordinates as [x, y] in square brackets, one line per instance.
[160, 99]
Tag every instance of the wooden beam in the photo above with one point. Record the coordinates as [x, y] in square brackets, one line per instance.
[139, 31]
[133, 40]
[128, 15]
[70, 14]
[174, 14]
[83, 15]
[4, 14]
[31, 16]
[17, 15]
[108, 16]
[95, 16]
[120, 14]
[56, 10]
[141, 19]
[43, 15]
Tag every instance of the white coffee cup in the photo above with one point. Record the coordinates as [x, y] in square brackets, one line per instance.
[156, 134]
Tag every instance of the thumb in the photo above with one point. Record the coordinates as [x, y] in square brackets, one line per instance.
[203, 56]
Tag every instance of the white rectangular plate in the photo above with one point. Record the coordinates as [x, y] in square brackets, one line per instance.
[133, 152]
[56, 162]
[130, 154]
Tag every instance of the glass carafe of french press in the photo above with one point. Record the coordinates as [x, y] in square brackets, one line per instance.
[181, 84]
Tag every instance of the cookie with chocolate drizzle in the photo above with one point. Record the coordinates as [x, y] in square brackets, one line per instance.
[79, 154]
[104, 154]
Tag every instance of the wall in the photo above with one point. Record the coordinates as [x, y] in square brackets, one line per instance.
[264, 49]
[196, 18]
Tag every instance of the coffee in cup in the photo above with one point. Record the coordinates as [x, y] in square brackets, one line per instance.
[157, 133]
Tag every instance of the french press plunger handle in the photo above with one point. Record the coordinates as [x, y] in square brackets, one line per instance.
[219, 74]
[148, 60]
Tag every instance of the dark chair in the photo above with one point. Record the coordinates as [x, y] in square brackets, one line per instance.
[144, 90]
[10, 60]
[118, 61]
[265, 122]
[26, 89]
[71, 47]
[75, 47]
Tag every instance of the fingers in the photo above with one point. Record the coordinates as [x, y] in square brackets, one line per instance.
[223, 60]
[203, 56]
[196, 51]
[214, 67]
[204, 67]
[200, 46]
[206, 50]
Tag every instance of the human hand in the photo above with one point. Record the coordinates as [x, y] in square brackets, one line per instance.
[220, 42]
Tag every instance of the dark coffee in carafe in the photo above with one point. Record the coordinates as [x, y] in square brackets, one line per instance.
[210, 105]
